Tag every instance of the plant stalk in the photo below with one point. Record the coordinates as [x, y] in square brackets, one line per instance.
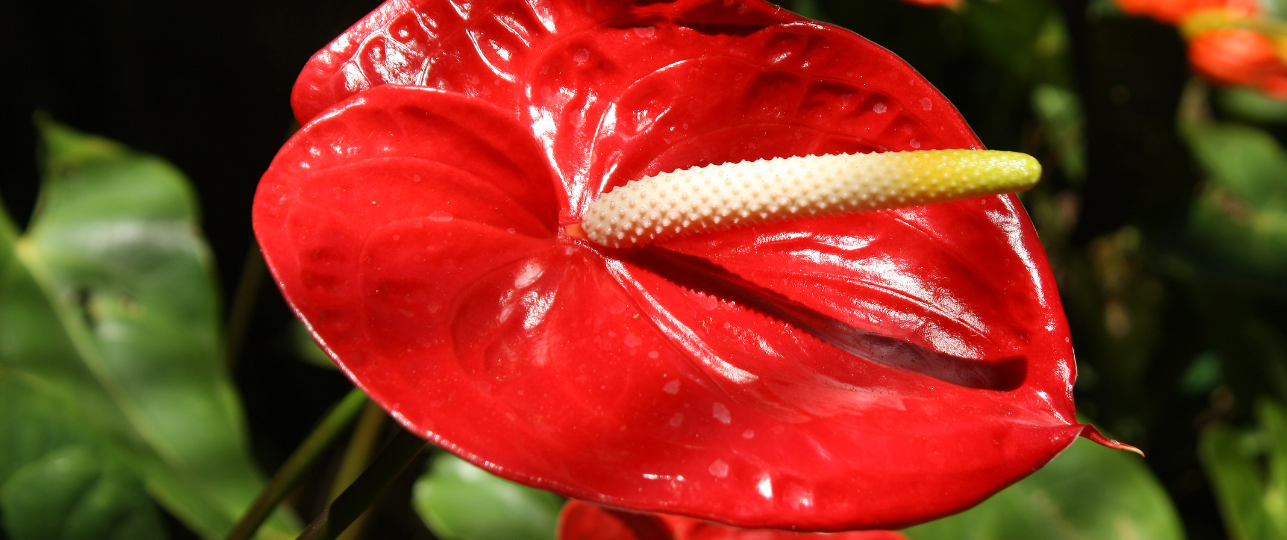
[243, 306]
[303, 459]
[337, 517]
[362, 445]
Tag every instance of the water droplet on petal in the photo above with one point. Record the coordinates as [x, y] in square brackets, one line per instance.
[880, 108]
[750, 433]
[765, 486]
[927, 104]
[633, 340]
[653, 354]
[719, 468]
[671, 387]
[677, 419]
[440, 216]
[720, 412]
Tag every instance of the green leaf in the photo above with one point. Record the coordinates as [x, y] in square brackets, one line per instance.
[1252, 496]
[1202, 375]
[1242, 211]
[462, 502]
[71, 495]
[56, 479]
[809, 9]
[1059, 111]
[1253, 105]
[1024, 36]
[1245, 160]
[1088, 491]
[109, 297]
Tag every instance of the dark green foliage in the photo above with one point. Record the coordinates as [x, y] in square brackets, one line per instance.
[111, 358]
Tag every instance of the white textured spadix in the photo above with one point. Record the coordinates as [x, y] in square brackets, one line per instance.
[716, 197]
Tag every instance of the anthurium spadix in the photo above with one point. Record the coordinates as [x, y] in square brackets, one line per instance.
[817, 370]
[729, 195]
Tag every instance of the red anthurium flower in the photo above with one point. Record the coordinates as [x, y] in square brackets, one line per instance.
[861, 371]
[1239, 56]
[584, 521]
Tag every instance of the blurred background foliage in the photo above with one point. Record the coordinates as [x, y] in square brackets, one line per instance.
[1163, 211]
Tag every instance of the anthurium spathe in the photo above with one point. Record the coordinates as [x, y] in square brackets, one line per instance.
[855, 371]
[584, 521]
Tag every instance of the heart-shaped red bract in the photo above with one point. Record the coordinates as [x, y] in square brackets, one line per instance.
[584, 521]
[864, 371]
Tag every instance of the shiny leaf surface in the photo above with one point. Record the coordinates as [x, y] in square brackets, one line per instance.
[108, 297]
[866, 370]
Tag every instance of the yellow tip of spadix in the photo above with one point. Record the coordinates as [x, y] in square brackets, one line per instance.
[739, 194]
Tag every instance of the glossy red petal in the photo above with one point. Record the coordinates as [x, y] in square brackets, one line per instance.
[598, 82]
[862, 371]
[426, 259]
[584, 521]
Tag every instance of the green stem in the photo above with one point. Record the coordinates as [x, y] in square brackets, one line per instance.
[290, 473]
[243, 305]
[362, 444]
[395, 457]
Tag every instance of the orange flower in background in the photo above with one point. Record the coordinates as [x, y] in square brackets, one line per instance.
[1171, 11]
[1237, 56]
[1229, 40]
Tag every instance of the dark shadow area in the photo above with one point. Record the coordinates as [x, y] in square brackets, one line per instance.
[702, 275]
